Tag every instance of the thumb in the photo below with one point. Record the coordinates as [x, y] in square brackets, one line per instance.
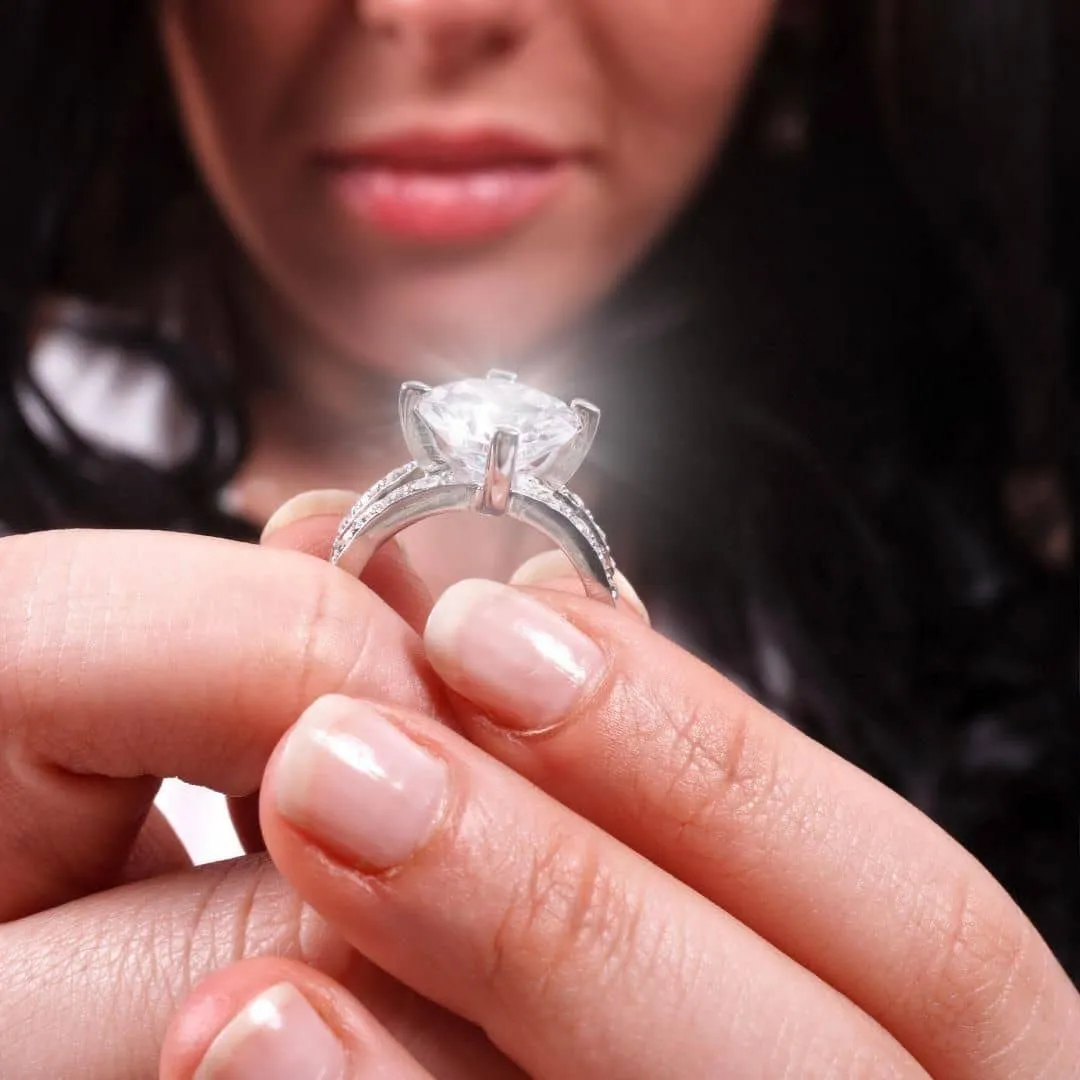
[308, 523]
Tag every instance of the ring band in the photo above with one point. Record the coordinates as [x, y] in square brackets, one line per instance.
[492, 446]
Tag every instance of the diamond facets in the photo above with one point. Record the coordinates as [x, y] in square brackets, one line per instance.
[464, 417]
[494, 447]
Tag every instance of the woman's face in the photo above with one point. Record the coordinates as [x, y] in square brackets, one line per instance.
[452, 178]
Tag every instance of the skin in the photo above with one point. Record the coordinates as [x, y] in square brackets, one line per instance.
[773, 912]
[640, 99]
[849, 935]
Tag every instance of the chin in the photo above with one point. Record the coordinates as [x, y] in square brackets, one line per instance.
[438, 332]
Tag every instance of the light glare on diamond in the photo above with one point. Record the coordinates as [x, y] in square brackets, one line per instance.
[464, 417]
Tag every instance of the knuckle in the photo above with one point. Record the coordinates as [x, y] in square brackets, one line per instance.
[262, 915]
[332, 637]
[985, 950]
[245, 910]
[347, 642]
[126, 959]
[723, 770]
[568, 917]
[235, 911]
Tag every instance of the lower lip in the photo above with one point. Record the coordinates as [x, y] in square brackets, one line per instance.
[448, 207]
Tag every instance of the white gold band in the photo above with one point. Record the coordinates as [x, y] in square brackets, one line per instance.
[445, 478]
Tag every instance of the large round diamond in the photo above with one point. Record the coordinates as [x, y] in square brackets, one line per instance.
[465, 415]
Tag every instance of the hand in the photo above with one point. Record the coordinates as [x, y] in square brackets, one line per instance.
[631, 871]
[130, 657]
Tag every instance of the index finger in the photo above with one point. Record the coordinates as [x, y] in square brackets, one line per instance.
[135, 656]
[826, 863]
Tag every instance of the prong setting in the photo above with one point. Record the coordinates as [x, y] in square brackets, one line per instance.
[589, 415]
[419, 437]
[493, 495]
[571, 457]
[456, 423]
[409, 397]
[491, 446]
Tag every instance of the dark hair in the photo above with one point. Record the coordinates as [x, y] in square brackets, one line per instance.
[861, 340]
[98, 193]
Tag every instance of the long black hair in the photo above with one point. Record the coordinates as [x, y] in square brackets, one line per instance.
[855, 485]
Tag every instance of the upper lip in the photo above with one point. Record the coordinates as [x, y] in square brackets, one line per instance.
[435, 150]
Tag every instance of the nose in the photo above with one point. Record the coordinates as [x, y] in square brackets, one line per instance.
[449, 31]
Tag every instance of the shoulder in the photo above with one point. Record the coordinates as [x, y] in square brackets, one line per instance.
[117, 398]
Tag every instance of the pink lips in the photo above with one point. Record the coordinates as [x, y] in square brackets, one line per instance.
[439, 188]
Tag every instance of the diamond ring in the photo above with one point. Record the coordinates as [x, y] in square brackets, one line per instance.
[496, 447]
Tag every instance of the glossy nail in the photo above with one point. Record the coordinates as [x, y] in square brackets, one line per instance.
[513, 656]
[358, 785]
[277, 1036]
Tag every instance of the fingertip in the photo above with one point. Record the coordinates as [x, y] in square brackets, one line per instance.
[308, 504]
[309, 523]
[547, 566]
[279, 1033]
[199, 1019]
[265, 1019]
[393, 578]
[553, 570]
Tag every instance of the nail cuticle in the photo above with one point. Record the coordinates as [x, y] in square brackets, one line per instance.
[529, 668]
[569, 719]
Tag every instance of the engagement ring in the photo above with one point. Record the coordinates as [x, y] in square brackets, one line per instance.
[496, 447]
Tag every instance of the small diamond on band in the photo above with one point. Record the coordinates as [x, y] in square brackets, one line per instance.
[496, 447]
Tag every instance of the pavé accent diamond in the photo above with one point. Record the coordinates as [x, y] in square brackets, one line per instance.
[491, 446]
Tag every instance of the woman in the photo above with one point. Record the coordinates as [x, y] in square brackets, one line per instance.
[836, 465]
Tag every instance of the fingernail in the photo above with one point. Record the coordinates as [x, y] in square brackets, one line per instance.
[309, 504]
[554, 565]
[510, 654]
[277, 1036]
[358, 785]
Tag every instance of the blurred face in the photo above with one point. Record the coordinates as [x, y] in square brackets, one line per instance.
[452, 178]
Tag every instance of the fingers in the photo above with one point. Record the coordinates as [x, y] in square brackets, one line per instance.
[133, 656]
[89, 989]
[828, 865]
[577, 956]
[553, 570]
[157, 850]
[275, 1020]
[308, 523]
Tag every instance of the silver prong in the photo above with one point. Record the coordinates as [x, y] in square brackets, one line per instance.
[411, 393]
[589, 415]
[569, 459]
[494, 494]
[418, 436]
[502, 376]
